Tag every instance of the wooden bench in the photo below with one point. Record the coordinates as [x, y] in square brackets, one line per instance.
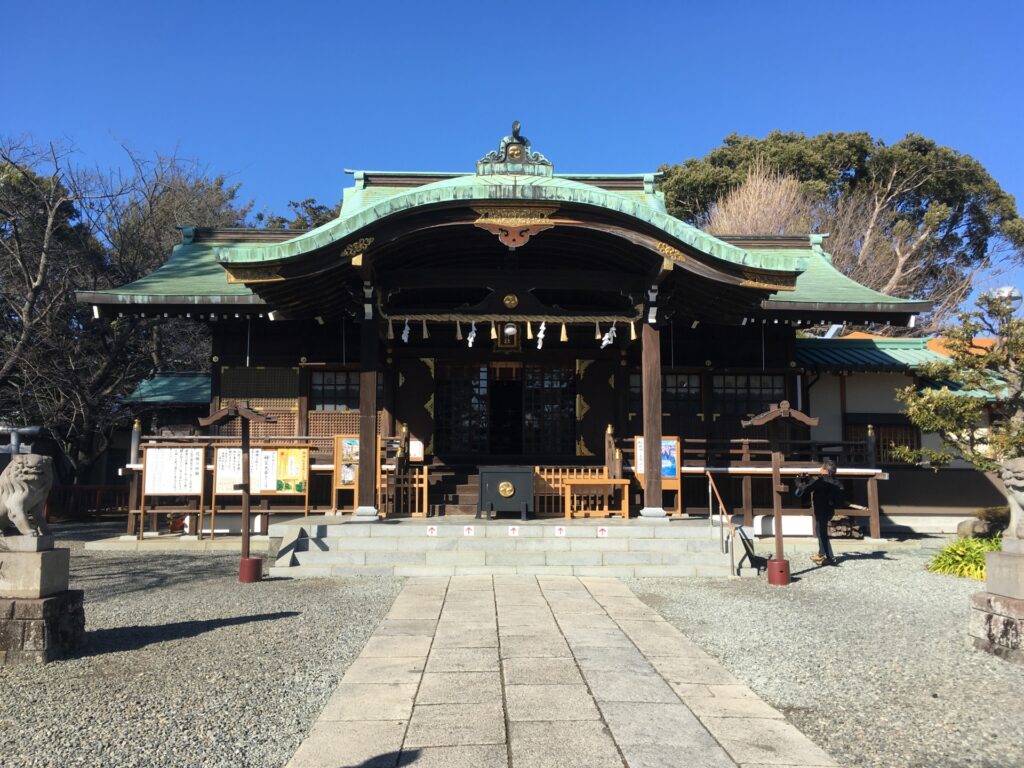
[609, 484]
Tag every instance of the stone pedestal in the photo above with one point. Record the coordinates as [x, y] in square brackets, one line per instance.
[40, 618]
[34, 574]
[35, 631]
[997, 614]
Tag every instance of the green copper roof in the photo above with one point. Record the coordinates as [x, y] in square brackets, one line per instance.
[360, 213]
[191, 276]
[865, 354]
[173, 389]
[822, 283]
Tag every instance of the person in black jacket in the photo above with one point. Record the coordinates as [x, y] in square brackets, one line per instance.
[826, 494]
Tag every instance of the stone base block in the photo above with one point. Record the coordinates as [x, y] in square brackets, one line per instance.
[997, 625]
[1004, 574]
[25, 543]
[34, 574]
[38, 630]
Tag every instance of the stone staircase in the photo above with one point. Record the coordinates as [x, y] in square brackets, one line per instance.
[335, 546]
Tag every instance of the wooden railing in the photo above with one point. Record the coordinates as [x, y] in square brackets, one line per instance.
[547, 486]
[404, 491]
[80, 500]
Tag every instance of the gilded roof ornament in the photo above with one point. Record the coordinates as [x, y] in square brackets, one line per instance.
[514, 156]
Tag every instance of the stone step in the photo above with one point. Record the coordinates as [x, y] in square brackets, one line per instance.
[414, 528]
[509, 543]
[618, 571]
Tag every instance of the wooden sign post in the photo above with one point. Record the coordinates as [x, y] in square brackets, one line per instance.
[251, 568]
[778, 567]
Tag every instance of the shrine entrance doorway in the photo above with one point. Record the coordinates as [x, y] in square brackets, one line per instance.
[509, 409]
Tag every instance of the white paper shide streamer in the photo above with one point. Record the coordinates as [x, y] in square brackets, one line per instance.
[609, 337]
[540, 334]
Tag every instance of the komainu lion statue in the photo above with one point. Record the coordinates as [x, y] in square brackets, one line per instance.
[1012, 474]
[24, 485]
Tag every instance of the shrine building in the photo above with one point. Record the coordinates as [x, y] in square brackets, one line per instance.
[510, 316]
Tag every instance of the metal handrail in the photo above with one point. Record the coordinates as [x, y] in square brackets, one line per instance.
[723, 516]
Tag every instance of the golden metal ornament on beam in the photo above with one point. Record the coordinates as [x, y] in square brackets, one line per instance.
[514, 226]
[511, 301]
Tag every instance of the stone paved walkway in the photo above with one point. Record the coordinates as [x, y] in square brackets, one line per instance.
[542, 672]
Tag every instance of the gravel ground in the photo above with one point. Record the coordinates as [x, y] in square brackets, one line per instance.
[871, 660]
[184, 666]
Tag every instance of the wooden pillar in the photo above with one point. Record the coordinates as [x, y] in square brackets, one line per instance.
[366, 501]
[245, 490]
[777, 491]
[651, 385]
[747, 486]
[388, 406]
[875, 524]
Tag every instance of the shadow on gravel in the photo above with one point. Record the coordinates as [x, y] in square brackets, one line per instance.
[105, 575]
[132, 638]
[842, 558]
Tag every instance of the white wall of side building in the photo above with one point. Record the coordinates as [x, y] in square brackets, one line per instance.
[913, 497]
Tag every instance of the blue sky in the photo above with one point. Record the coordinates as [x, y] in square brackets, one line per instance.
[284, 96]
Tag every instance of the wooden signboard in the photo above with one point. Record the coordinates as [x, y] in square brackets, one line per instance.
[172, 471]
[274, 470]
[671, 477]
[346, 469]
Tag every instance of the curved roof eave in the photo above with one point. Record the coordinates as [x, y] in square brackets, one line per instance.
[505, 188]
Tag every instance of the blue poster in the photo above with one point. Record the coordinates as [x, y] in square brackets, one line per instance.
[669, 459]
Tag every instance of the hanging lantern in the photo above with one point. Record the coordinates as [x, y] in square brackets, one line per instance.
[565, 334]
[529, 330]
[458, 331]
[391, 329]
[426, 333]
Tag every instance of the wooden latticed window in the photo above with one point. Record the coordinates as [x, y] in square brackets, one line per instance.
[735, 397]
[680, 404]
[887, 438]
[273, 391]
[334, 391]
[461, 412]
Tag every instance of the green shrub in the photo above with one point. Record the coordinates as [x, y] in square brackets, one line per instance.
[965, 557]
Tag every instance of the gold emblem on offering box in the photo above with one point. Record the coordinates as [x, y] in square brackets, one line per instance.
[506, 489]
